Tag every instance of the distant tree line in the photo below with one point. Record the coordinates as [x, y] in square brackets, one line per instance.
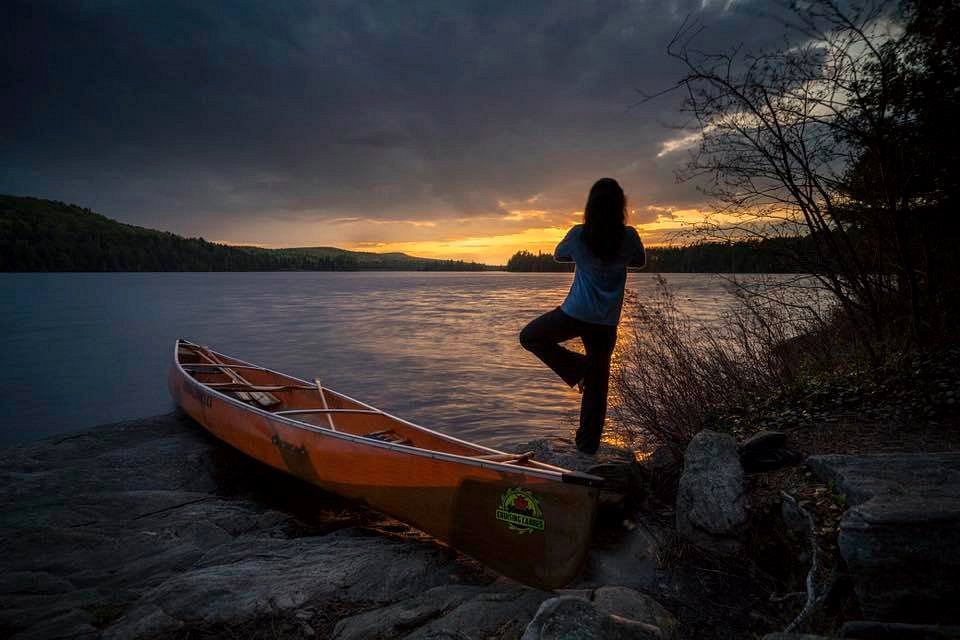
[42, 235]
[527, 261]
[762, 256]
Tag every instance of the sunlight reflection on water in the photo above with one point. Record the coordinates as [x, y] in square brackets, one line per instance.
[439, 349]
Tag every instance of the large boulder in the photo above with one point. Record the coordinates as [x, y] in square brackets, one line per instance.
[766, 451]
[900, 534]
[711, 504]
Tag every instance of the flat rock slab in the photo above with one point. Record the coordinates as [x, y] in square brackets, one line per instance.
[152, 527]
[609, 613]
[863, 477]
[900, 535]
[873, 630]
[629, 561]
[487, 611]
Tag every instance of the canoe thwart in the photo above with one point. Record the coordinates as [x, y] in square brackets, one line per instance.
[266, 400]
[508, 458]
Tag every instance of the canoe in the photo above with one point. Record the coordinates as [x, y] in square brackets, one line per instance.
[525, 519]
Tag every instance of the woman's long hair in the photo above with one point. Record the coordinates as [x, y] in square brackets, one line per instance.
[604, 218]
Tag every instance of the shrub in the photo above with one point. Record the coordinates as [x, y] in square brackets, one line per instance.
[675, 375]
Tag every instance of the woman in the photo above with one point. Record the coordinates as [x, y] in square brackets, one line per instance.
[602, 248]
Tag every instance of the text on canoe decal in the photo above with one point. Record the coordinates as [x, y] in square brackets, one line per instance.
[520, 509]
[283, 445]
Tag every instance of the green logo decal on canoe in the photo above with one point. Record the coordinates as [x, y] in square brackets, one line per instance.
[520, 510]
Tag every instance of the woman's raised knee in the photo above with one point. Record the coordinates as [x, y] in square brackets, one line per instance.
[528, 338]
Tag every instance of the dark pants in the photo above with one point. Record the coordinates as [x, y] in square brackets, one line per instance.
[542, 337]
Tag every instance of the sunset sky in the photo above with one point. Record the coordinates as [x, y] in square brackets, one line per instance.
[442, 129]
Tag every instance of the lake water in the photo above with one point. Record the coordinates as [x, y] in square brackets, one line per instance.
[439, 349]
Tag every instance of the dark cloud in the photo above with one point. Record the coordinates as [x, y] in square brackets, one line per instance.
[193, 116]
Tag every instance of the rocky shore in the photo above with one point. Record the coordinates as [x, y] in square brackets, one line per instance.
[152, 529]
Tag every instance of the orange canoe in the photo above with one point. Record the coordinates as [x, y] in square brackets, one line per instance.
[525, 519]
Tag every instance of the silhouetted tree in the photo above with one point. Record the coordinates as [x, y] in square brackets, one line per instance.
[821, 144]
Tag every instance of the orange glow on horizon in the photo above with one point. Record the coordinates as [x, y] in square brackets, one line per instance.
[474, 239]
[488, 249]
[496, 249]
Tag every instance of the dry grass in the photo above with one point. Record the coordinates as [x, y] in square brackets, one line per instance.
[676, 375]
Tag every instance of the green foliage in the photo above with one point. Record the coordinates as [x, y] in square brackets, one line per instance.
[43, 235]
[835, 495]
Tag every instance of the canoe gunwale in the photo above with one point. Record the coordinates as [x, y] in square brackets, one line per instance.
[290, 412]
[559, 474]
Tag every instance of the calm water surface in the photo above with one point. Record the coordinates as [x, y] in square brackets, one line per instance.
[439, 349]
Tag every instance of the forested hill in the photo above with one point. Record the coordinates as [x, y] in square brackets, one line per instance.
[43, 235]
[767, 256]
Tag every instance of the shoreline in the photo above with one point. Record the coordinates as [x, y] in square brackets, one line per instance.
[152, 528]
[149, 528]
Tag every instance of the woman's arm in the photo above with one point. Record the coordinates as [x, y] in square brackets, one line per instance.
[639, 258]
[564, 250]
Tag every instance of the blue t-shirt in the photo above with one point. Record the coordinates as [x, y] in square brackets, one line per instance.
[596, 294]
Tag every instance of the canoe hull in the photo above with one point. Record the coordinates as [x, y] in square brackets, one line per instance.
[469, 506]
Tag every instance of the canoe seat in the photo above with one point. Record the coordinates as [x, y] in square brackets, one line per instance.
[265, 400]
[388, 435]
